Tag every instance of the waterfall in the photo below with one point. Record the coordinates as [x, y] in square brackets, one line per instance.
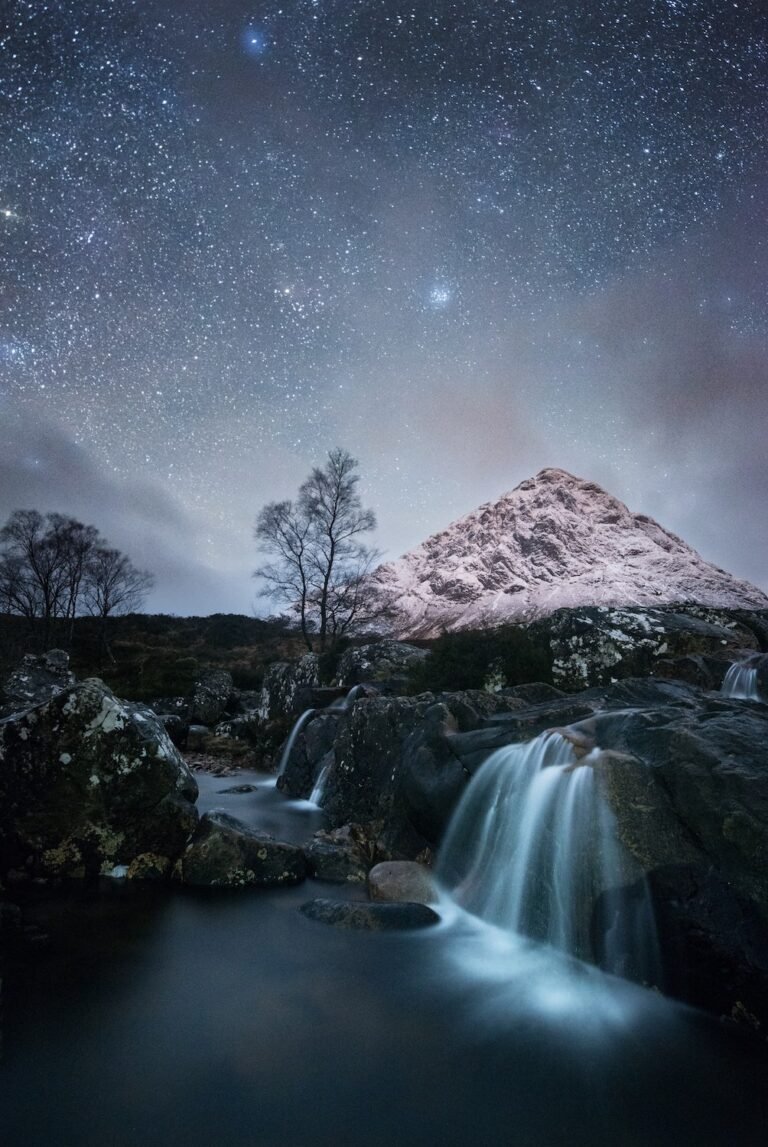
[532, 848]
[345, 703]
[741, 683]
[286, 753]
[316, 796]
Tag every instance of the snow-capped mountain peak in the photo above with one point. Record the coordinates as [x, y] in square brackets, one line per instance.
[555, 540]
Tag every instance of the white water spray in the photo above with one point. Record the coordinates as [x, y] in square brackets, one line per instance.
[532, 848]
[741, 683]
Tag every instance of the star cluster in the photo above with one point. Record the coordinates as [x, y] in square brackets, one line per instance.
[227, 228]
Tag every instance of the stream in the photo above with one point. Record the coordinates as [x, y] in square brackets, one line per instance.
[200, 1017]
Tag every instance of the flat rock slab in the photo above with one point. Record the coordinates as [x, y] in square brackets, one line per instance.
[401, 880]
[370, 917]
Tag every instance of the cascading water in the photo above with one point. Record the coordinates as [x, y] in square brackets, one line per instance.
[286, 753]
[316, 796]
[343, 705]
[532, 848]
[741, 683]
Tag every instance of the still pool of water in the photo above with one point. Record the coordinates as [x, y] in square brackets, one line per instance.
[201, 1018]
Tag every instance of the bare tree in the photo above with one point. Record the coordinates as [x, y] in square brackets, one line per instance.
[112, 585]
[321, 563]
[54, 568]
[35, 559]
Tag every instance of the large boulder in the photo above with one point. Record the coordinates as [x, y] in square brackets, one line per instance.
[89, 782]
[37, 679]
[211, 697]
[284, 689]
[383, 662]
[598, 644]
[688, 784]
[227, 853]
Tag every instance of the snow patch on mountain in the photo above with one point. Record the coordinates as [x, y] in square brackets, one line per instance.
[553, 541]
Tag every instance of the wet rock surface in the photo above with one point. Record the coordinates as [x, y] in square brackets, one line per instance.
[342, 855]
[227, 853]
[370, 917]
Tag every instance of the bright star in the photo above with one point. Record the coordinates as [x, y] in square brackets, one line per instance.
[255, 42]
[440, 296]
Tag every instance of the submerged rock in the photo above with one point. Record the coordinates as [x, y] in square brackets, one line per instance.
[226, 852]
[88, 782]
[370, 917]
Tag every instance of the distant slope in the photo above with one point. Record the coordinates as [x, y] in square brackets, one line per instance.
[555, 540]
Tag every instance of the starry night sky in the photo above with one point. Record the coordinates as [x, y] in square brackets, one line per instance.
[463, 240]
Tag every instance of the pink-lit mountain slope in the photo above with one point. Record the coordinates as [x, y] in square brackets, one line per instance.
[553, 541]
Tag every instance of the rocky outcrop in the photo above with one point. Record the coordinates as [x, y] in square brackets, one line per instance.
[403, 762]
[88, 782]
[211, 697]
[227, 853]
[284, 690]
[37, 679]
[370, 917]
[383, 662]
[594, 646]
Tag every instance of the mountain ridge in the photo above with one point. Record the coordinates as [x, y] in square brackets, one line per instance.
[555, 540]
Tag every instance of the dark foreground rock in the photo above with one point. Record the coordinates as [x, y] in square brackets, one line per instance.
[226, 853]
[88, 782]
[370, 917]
[688, 783]
[343, 855]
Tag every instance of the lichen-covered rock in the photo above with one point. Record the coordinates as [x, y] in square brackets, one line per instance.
[370, 917]
[284, 687]
[593, 646]
[227, 853]
[402, 880]
[382, 661]
[212, 694]
[88, 782]
[37, 679]
[342, 855]
[245, 727]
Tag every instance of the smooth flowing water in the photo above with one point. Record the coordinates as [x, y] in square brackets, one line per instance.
[741, 683]
[532, 849]
[158, 1017]
[306, 716]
